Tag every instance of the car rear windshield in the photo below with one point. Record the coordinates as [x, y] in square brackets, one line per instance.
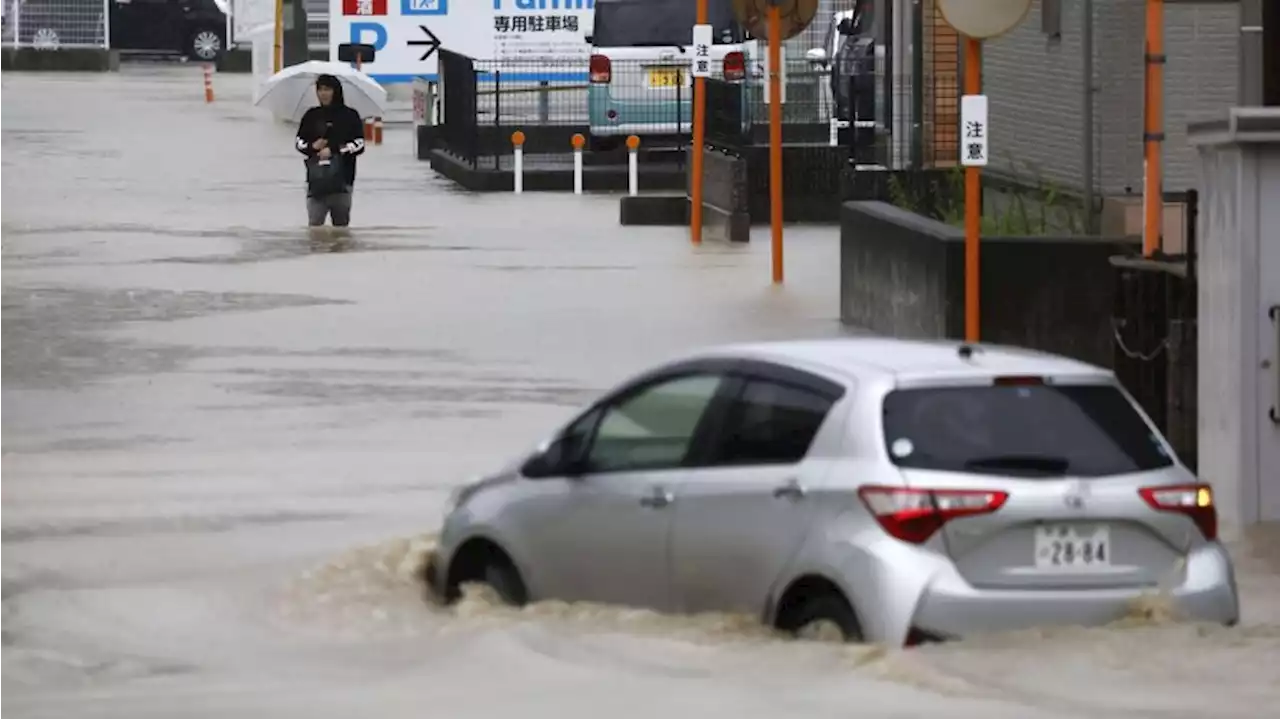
[1083, 430]
[642, 23]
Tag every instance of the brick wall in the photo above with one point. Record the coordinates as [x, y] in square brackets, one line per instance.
[1034, 82]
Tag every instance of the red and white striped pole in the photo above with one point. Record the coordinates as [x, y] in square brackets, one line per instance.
[208, 82]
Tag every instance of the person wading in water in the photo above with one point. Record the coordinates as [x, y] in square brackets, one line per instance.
[331, 135]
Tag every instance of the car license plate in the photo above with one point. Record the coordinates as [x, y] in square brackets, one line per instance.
[665, 77]
[1069, 547]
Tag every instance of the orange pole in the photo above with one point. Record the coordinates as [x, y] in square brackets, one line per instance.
[775, 139]
[972, 205]
[699, 142]
[208, 83]
[1153, 131]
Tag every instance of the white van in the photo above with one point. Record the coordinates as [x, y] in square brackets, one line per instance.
[641, 56]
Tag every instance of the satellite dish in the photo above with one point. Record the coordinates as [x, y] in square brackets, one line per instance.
[795, 16]
[981, 19]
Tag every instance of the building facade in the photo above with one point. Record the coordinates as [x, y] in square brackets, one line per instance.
[1035, 79]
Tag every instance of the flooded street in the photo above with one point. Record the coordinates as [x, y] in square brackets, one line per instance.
[227, 444]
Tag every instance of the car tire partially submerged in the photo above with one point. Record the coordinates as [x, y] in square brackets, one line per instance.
[483, 562]
[822, 616]
[505, 580]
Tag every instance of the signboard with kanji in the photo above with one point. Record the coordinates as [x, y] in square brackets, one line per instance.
[364, 7]
[702, 39]
[974, 134]
[531, 40]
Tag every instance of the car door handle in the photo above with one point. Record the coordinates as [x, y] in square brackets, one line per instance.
[792, 489]
[659, 499]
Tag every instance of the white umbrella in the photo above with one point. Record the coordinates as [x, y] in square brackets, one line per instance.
[292, 91]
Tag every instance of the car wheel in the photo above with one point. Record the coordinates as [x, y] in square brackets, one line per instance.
[506, 581]
[823, 617]
[205, 45]
[45, 38]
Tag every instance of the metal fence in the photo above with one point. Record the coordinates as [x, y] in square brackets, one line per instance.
[54, 24]
[458, 129]
[1154, 324]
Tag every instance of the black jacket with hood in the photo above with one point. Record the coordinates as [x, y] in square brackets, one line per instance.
[342, 126]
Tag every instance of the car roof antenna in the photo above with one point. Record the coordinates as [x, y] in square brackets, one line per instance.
[966, 351]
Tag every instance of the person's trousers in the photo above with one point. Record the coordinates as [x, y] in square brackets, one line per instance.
[336, 205]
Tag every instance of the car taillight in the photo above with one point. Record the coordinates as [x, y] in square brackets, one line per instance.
[735, 66]
[601, 69]
[914, 515]
[1193, 500]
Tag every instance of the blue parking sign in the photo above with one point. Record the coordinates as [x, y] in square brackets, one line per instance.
[424, 7]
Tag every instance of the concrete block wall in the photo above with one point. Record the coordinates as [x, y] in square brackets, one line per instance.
[1035, 84]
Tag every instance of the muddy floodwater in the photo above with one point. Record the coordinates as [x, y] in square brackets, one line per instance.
[227, 443]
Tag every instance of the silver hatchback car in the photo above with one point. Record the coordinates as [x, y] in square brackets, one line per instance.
[902, 491]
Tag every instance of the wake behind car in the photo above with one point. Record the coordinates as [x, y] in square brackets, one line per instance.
[898, 490]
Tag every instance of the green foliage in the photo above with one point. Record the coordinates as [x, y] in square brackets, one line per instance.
[1036, 207]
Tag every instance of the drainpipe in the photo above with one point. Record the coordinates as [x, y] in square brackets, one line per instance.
[1086, 112]
[1251, 53]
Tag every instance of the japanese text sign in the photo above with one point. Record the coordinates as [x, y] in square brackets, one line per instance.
[974, 134]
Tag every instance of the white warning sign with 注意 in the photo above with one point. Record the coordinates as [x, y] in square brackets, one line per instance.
[542, 38]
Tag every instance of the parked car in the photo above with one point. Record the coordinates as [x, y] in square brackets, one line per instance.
[848, 57]
[192, 28]
[901, 491]
[196, 29]
[48, 25]
[640, 82]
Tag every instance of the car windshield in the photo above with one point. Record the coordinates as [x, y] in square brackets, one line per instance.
[1084, 430]
[639, 23]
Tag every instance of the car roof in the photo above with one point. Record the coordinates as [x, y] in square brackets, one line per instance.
[906, 359]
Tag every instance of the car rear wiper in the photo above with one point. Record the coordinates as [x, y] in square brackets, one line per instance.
[675, 46]
[1049, 464]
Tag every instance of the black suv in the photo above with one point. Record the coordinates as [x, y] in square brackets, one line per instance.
[196, 29]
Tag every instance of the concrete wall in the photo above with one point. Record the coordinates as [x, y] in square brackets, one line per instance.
[28, 59]
[1239, 346]
[902, 274]
[1035, 84]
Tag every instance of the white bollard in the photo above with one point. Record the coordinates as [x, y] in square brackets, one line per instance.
[578, 142]
[633, 165]
[517, 139]
[836, 127]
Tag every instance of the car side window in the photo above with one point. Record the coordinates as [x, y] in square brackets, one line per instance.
[771, 423]
[654, 428]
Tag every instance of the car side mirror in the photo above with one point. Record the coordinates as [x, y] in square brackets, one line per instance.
[552, 459]
[537, 466]
[817, 56]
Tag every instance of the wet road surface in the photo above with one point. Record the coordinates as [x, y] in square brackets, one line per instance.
[226, 443]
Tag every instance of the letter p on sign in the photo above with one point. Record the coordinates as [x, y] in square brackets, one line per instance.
[358, 30]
